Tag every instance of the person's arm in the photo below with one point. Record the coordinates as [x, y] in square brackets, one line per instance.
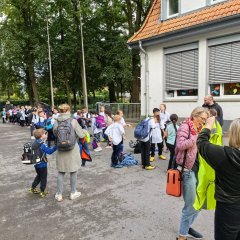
[213, 154]
[47, 149]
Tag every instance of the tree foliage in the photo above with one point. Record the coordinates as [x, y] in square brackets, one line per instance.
[107, 24]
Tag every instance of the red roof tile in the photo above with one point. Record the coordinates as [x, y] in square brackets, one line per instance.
[154, 27]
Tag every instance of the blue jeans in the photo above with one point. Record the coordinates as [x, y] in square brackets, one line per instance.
[189, 214]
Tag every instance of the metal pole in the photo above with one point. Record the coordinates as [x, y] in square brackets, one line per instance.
[50, 66]
[84, 82]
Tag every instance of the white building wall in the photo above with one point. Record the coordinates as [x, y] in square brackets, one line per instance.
[156, 80]
[188, 5]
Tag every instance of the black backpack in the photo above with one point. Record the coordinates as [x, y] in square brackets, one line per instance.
[66, 136]
[32, 153]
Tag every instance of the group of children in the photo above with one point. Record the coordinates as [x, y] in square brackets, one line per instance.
[162, 127]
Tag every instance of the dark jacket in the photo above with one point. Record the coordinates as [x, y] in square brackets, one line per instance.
[226, 163]
[219, 111]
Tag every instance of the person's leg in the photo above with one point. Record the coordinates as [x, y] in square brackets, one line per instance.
[142, 153]
[160, 148]
[152, 149]
[172, 153]
[147, 154]
[73, 181]
[43, 177]
[60, 180]
[37, 179]
[189, 214]
[227, 221]
[114, 157]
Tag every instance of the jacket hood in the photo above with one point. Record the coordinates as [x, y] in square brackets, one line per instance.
[63, 117]
[233, 155]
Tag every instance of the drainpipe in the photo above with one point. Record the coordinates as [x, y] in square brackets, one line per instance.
[146, 79]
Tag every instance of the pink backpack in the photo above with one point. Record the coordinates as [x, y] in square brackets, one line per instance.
[100, 121]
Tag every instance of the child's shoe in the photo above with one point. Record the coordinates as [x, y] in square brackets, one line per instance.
[152, 159]
[162, 157]
[150, 167]
[43, 194]
[34, 190]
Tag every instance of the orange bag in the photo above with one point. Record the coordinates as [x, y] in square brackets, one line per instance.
[174, 183]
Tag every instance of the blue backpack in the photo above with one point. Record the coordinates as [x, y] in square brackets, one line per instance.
[48, 124]
[142, 130]
[128, 160]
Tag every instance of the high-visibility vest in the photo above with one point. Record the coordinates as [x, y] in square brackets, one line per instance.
[206, 175]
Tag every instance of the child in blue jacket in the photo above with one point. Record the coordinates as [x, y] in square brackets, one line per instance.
[41, 150]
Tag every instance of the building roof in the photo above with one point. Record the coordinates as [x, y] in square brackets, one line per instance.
[153, 27]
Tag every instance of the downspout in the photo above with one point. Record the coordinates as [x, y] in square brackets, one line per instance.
[146, 79]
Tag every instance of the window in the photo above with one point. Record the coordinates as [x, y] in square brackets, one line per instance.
[225, 90]
[173, 7]
[181, 74]
[224, 69]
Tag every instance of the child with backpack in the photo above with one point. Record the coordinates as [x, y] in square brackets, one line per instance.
[142, 133]
[156, 135]
[41, 150]
[41, 120]
[115, 133]
[171, 134]
[97, 131]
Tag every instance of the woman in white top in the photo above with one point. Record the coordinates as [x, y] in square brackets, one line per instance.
[156, 135]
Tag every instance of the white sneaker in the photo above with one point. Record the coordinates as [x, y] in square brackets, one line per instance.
[98, 149]
[74, 195]
[32, 137]
[58, 197]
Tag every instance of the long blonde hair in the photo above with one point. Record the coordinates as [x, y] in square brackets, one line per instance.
[234, 133]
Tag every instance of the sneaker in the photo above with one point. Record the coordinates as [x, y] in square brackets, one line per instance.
[150, 167]
[32, 137]
[194, 234]
[108, 146]
[59, 197]
[152, 159]
[162, 157]
[34, 190]
[117, 166]
[43, 194]
[98, 149]
[74, 195]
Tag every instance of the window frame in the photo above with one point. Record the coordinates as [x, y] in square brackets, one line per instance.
[225, 39]
[176, 49]
[168, 8]
[216, 1]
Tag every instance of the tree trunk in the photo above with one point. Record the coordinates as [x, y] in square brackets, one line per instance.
[111, 89]
[136, 83]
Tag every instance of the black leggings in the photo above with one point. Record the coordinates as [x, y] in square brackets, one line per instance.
[172, 163]
[227, 221]
[40, 178]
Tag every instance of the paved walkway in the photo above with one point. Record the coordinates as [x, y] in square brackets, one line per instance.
[123, 204]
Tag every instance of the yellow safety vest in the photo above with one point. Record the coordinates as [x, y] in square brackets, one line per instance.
[206, 175]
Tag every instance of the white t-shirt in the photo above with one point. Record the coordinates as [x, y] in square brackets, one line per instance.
[151, 126]
[115, 131]
[164, 117]
[123, 121]
[156, 132]
[55, 116]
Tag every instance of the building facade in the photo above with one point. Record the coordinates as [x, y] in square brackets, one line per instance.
[190, 49]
